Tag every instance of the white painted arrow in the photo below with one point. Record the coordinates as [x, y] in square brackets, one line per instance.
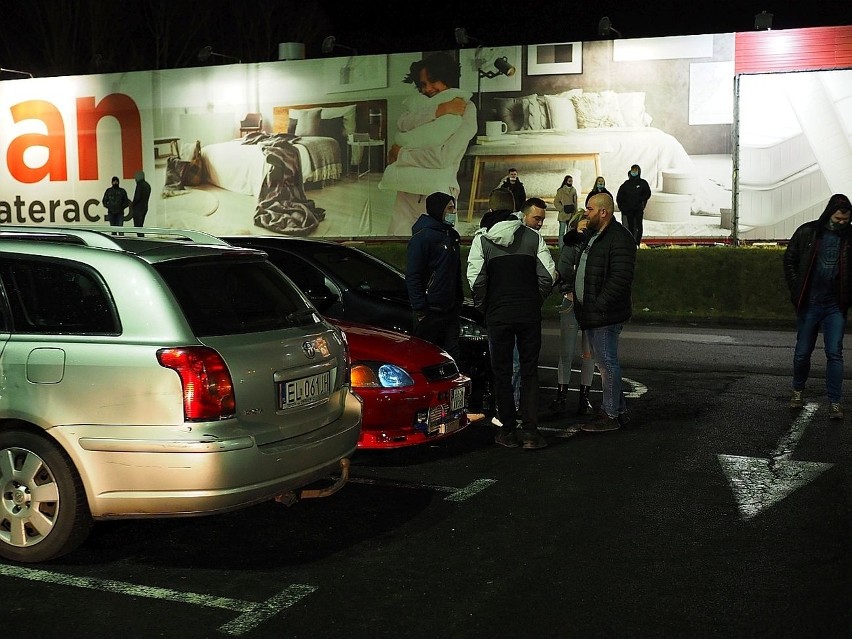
[759, 483]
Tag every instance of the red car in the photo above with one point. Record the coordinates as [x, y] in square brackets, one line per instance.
[412, 390]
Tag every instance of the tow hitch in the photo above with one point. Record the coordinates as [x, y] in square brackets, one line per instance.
[291, 497]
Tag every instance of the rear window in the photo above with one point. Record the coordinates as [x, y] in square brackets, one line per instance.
[362, 272]
[227, 297]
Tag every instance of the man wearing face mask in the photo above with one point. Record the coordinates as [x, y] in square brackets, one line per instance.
[115, 200]
[818, 270]
[631, 198]
[433, 274]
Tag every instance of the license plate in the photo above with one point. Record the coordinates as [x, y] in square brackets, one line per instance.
[457, 401]
[307, 390]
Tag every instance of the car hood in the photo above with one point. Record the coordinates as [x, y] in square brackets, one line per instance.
[367, 343]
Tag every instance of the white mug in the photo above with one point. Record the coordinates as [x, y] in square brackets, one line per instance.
[494, 128]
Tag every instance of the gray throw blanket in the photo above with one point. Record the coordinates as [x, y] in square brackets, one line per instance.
[282, 205]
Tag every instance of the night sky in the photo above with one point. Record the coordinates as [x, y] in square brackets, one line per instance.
[63, 37]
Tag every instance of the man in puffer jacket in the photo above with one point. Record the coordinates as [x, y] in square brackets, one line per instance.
[433, 274]
[818, 270]
[602, 284]
[631, 198]
[511, 273]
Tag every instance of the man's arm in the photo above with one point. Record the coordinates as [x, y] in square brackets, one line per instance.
[619, 278]
[477, 276]
[545, 268]
[415, 281]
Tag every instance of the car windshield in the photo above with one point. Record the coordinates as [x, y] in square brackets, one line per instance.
[362, 272]
[226, 297]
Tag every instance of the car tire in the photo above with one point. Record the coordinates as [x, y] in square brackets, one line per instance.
[43, 509]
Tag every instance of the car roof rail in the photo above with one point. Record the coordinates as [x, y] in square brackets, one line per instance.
[102, 236]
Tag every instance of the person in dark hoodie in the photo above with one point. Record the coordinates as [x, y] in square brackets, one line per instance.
[818, 270]
[433, 274]
[631, 198]
[514, 185]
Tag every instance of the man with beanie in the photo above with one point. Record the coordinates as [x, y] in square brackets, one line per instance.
[433, 274]
[115, 200]
[511, 273]
[139, 205]
[818, 270]
[631, 198]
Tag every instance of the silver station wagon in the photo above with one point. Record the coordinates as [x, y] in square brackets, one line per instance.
[157, 373]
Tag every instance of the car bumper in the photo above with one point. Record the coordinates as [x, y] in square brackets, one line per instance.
[191, 473]
[391, 415]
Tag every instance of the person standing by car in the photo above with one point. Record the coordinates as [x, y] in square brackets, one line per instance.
[632, 196]
[602, 284]
[139, 205]
[433, 274]
[511, 273]
[115, 200]
[818, 270]
[565, 203]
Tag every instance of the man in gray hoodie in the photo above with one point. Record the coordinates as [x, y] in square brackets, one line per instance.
[511, 273]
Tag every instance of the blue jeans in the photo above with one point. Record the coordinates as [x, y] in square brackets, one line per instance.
[809, 322]
[563, 229]
[604, 343]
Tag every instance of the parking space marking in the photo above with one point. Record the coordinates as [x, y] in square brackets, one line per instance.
[252, 614]
[638, 388]
[455, 494]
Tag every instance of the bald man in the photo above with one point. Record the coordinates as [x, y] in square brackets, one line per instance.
[602, 284]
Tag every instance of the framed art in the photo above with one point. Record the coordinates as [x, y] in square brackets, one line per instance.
[552, 59]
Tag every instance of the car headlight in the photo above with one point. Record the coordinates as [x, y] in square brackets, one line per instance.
[469, 328]
[378, 375]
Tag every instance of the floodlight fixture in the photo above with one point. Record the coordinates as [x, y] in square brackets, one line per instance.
[605, 29]
[330, 43]
[763, 21]
[207, 52]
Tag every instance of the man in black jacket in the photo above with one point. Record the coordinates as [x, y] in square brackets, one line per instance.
[514, 185]
[631, 198]
[602, 284]
[818, 270]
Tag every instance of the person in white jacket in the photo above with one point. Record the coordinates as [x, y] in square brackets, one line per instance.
[511, 273]
[432, 138]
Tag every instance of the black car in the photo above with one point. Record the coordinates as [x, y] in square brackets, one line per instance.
[346, 283]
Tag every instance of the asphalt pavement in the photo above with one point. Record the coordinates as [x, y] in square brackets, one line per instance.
[718, 513]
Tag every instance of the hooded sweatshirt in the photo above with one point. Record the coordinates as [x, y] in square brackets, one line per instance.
[510, 272]
[633, 194]
[433, 265]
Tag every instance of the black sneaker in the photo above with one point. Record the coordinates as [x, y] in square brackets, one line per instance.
[507, 437]
[624, 419]
[533, 440]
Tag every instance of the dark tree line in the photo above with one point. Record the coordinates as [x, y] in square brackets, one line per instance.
[73, 37]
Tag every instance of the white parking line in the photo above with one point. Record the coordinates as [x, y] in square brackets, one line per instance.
[456, 494]
[252, 615]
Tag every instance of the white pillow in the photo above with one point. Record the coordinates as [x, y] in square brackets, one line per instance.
[596, 110]
[561, 111]
[632, 107]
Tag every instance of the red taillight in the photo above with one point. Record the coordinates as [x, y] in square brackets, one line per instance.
[208, 391]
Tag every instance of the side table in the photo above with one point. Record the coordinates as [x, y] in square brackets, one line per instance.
[358, 146]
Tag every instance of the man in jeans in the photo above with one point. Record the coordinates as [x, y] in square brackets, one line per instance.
[511, 273]
[818, 270]
[602, 284]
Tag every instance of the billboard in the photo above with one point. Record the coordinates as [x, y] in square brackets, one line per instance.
[349, 147]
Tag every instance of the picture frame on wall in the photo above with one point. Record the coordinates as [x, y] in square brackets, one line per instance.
[555, 58]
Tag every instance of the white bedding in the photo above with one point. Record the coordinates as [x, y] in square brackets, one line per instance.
[769, 157]
[652, 149]
[240, 168]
